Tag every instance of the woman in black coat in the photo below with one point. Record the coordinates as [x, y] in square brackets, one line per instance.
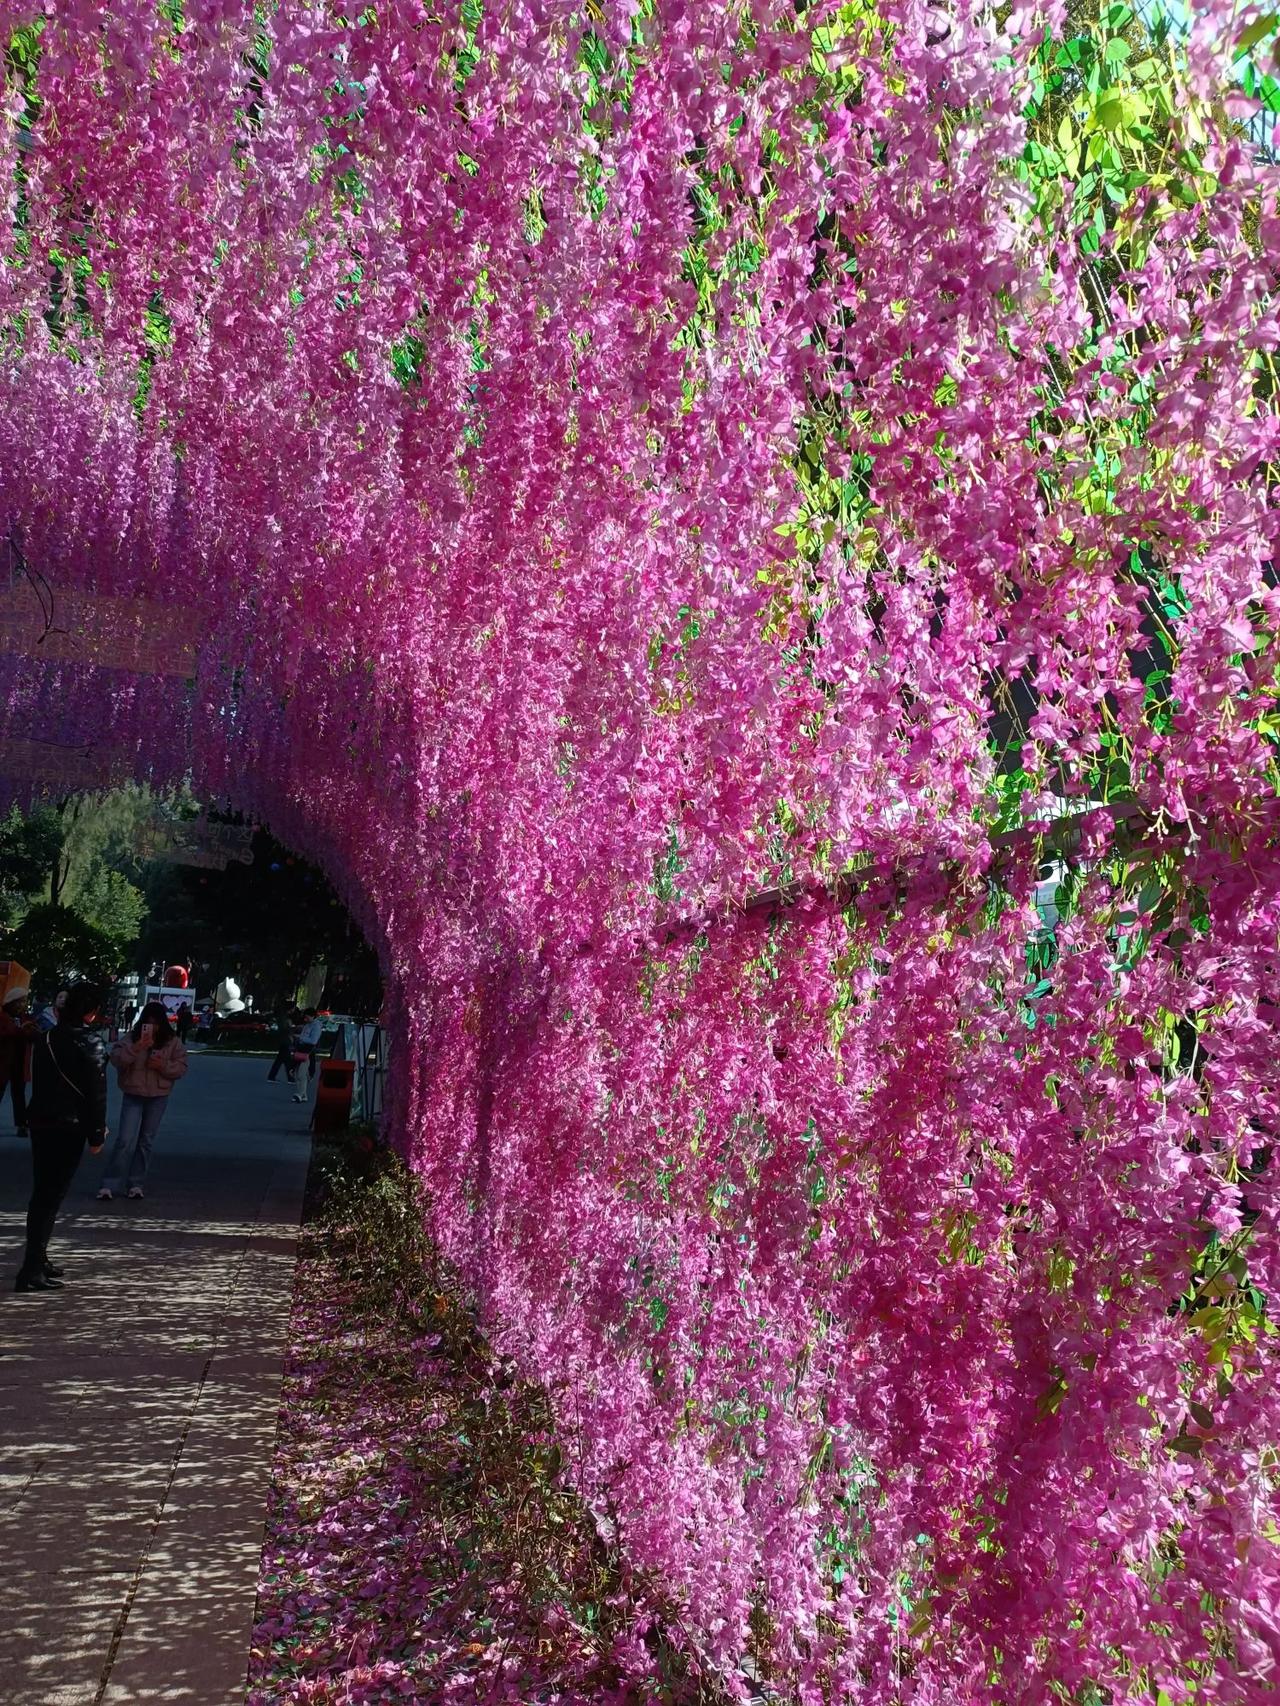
[68, 1109]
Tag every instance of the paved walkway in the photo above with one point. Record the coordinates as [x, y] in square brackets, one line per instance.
[138, 1406]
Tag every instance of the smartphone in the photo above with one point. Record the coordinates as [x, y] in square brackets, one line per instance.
[147, 1035]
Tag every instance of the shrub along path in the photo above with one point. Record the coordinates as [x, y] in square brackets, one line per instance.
[138, 1407]
[421, 1544]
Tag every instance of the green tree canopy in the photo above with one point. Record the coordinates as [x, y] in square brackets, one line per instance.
[111, 904]
[30, 846]
[58, 947]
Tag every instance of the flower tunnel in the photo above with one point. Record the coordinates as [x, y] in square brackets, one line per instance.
[669, 506]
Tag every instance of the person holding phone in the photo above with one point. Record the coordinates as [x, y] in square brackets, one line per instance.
[68, 1109]
[150, 1060]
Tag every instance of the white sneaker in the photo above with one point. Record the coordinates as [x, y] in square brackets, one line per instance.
[104, 1195]
[135, 1195]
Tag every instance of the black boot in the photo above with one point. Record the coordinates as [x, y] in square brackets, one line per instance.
[36, 1282]
[49, 1271]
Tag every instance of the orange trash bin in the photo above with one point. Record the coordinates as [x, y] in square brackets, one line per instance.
[333, 1095]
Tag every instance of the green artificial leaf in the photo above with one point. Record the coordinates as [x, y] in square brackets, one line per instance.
[1259, 28]
[1187, 1445]
[1118, 112]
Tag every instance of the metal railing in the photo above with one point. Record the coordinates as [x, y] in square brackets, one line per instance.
[366, 1045]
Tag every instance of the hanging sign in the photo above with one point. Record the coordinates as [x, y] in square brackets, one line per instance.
[196, 842]
[194, 857]
[143, 635]
[69, 769]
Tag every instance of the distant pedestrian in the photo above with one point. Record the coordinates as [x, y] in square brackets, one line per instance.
[308, 1043]
[283, 1031]
[182, 1023]
[51, 1012]
[17, 1033]
[150, 1060]
[68, 1110]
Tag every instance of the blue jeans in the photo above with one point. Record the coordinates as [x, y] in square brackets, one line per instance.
[140, 1118]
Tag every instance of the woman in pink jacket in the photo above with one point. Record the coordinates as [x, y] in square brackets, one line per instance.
[150, 1060]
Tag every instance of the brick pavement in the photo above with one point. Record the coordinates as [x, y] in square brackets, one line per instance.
[138, 1406]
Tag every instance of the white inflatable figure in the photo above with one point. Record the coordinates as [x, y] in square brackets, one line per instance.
[227, 999]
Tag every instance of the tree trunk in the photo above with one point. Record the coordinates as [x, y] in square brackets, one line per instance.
[68, 811]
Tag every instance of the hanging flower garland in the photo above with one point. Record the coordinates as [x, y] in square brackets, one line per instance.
[626, 458]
